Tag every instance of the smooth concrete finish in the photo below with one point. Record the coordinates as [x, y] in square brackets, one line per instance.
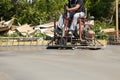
[41, 64]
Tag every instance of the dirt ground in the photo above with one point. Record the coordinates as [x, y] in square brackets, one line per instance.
[38, 63]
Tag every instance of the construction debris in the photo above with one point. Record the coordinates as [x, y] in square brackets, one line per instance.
[46, 28]
[4, 26]
[25, 30]
[109, 31]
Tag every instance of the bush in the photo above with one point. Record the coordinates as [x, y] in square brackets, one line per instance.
[15, 34]
[98, 29]
[39, 34]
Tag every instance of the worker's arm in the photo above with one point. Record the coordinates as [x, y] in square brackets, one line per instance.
[73, 8]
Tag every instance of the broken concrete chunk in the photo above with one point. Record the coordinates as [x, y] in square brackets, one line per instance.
[25, 30]
[4, 26]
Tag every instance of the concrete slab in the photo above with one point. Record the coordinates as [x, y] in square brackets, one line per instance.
[32, 63]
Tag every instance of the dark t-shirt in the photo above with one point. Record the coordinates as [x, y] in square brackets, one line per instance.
[73, 3]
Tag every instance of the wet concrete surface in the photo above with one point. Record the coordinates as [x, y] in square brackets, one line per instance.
[38, 63]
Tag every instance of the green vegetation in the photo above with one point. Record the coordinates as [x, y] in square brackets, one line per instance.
[42, 11]
[39, 34]
[39, 11]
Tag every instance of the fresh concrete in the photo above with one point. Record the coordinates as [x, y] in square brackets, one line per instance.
[37, 63]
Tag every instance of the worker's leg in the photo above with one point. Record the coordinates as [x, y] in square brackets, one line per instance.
[60, 22]
[75, 19]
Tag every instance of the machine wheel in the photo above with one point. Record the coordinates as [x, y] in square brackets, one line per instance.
[62, 41]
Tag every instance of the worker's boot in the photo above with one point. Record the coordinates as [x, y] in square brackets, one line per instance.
[70, 33]
[58, 30]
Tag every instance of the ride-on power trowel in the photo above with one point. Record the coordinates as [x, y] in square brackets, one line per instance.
[83, 37]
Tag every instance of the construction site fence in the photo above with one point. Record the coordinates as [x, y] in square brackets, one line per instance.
[22, 41]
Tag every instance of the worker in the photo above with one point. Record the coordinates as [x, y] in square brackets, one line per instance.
[75, 9]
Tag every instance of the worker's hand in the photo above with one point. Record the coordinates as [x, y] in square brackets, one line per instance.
[67, 8]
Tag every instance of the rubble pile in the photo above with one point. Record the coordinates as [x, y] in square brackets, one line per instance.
[25, 29]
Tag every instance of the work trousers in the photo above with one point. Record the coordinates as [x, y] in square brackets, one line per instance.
[74, 21]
